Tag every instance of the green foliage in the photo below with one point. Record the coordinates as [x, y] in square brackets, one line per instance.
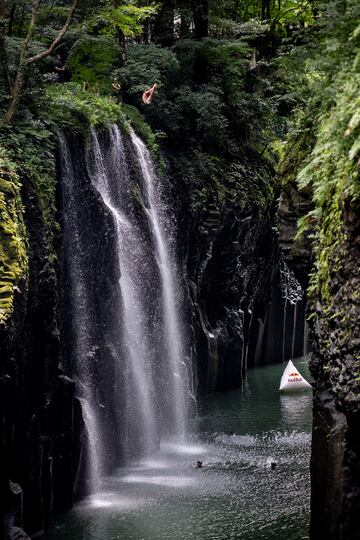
[91, 60]
[32, 145]
[291, 12]
[227, 28]
[34, 76]
[230, 15]
[238, 10]
[75, 109]
[13, 258]
[199, 83]
[207, 116]
[328, 165]
[146, 64]
[124, 20]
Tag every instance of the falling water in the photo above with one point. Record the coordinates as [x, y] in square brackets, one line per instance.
[292, 293]
[94, 444]
[110, 176]
[126, 349]
[290, 287]
[81, 315]
[169, 288]
[294, 331]
[284, 331]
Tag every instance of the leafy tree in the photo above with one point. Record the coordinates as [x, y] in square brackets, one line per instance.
[92, 59]
[327, 166]
[125, 21]
[25, 60]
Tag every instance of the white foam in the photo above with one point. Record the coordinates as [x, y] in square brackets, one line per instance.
[183, 448]
[167, 481]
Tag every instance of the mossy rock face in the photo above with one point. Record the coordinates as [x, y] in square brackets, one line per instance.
[13, 258]
[91, 60]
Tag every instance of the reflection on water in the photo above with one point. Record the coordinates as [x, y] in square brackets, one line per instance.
[235, 496]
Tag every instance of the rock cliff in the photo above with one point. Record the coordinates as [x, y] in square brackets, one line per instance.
[334, 363]
[335, 463]
[233, 279]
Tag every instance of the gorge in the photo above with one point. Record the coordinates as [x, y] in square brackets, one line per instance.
[160, 262]
[127, 374]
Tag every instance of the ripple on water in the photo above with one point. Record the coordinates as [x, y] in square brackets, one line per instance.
[236, 495]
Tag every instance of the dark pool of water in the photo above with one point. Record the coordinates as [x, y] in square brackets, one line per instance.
[235, 496]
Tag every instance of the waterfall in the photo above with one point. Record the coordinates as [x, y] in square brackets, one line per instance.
[94, 444]
[294, 331]
[109, 174]
[173, 339]
[284, 331]
[123, 299]
[82, 320]
[292, 294]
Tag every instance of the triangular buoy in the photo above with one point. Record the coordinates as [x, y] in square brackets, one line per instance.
[291, 379]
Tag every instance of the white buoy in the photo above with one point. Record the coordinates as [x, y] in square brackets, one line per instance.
[291, 380]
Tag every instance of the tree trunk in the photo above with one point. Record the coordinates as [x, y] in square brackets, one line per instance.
[186, 17]
[15, 95]
[201, 18]
[265, 10]
[23, 61]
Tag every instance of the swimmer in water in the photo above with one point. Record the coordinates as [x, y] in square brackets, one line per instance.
[199, 465]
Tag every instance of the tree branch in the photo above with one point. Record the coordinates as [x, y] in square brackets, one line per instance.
[23, 61]
[56, 41]
[30, 32]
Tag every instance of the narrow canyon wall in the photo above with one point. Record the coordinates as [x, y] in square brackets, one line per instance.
[233, 279]
[335, 366]
[36, 395]
[237, 282]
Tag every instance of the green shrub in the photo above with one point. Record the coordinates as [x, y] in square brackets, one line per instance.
[146, 64]
[76, 109]
[91, 60]
[325, 159]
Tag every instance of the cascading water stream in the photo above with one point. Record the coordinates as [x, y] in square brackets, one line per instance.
[81, 315]
[110, 176]
[294, 331]
[126, 348]
[178, 379]
[292, 293]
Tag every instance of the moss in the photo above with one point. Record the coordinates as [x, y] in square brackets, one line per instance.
[13, 258]
[91, 61]
[32, 146]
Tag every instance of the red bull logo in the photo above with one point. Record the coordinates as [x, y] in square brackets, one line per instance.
[295, 377]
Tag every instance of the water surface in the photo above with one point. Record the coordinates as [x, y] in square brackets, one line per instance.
[235, 496]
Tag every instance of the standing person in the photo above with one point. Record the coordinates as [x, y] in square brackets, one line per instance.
[59, 68]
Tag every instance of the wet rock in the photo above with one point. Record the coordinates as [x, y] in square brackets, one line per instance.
[297, 251]
[31, 412]
[15, 533]
[334, 334]
[233, 262]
